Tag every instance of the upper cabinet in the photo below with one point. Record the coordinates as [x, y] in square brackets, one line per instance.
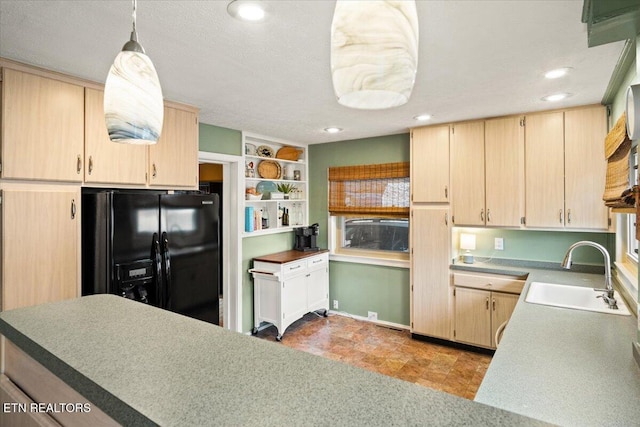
[106, 161]
[467, 173]
[504, 171]
[544, 166]
[565, 169]
[53, 129]
[430, 164]
[173, 161]
[585, 168]
[42, 128]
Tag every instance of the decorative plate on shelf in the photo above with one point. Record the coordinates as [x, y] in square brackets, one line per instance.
[289, 153]
[269, 169]
[264, 151]
[265, 188]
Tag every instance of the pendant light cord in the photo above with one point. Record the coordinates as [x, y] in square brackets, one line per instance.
[133, 15]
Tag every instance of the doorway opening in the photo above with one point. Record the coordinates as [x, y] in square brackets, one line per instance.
[219, 174]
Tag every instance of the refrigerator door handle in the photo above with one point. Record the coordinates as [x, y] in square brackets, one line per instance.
[166, 255]
[157, 265]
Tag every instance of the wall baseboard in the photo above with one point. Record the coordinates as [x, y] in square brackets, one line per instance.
[366, 319]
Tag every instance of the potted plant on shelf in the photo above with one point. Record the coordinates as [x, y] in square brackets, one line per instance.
[286, 188]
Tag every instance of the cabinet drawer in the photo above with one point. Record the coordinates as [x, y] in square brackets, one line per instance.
[293, 268]
[509, 284]
[315, 262]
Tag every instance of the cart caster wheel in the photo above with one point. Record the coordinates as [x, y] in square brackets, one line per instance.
[254, 331]
[278, 338]
[325, 313]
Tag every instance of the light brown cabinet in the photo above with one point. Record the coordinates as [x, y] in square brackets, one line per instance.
[483, 303]
[430, 164]
[488, 172]
[42, 128]
[467, 173]
[565, 169]
[108, 162]
[430, 271]
[173, 161]
[504, 171]
[40, 244]
[585, 168]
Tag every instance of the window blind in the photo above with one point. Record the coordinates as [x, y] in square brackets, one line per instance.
[381, 189]
[618, 188]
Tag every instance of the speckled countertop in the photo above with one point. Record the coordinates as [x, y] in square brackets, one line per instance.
[146, 366]
[562, 366]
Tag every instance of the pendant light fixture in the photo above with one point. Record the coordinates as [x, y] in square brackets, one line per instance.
[374, 52]
[133, 105]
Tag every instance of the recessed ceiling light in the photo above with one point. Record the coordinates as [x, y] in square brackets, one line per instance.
[422, 117]
[333, 130]
[247, 10]
[557, 73]
[556, 97]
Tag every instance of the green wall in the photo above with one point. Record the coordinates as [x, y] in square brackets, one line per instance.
[528, 245]
[215, 139]
[359, 288]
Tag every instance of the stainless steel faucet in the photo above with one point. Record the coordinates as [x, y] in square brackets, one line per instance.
[607, 296]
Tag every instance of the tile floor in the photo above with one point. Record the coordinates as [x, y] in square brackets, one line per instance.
[387, 351]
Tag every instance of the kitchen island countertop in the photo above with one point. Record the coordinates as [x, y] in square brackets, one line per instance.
[146, 366]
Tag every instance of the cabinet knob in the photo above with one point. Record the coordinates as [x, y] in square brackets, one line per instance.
[154, 172]
[79, 164]
[90, 164]
[569, 216]
[488, 215]
[561, 217]
[73, 208]
[482, 215]
[487, 301]
[446, 192]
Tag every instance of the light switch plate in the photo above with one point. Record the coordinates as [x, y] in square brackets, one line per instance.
[499, 244]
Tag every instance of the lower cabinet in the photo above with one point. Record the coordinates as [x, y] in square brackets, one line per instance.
[483, 305]
[286, 289]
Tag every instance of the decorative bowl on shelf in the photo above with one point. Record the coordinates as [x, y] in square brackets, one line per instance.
[253, 196]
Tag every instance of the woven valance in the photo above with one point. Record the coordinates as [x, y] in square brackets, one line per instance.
[381, 189]
[617, 146]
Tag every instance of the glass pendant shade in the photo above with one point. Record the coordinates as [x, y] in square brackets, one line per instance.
[133, 104]
[374, 52]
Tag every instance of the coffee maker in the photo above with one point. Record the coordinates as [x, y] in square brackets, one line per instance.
[306, 238]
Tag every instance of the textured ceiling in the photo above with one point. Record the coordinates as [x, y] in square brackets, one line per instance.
[476, 59]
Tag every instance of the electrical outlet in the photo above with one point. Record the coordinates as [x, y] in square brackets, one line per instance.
[499, 244]
[372, 315]
[335, 304]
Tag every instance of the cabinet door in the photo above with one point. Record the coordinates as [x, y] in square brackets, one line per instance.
[502, 305]
[107, 161]
[42, 128]
[318, 288]
[294, 299]
[430, 256]
[585, 167]
[430, 164]
[544, 170]
[40, 253]
[473, 316]
[173, 161]
[467, 176]
[504, 171]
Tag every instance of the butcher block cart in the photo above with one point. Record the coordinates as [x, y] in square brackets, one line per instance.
[287, 285]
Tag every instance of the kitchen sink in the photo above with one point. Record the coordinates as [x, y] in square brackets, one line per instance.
[575, 297]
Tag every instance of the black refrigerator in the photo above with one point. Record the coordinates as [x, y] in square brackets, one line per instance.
[159, 249]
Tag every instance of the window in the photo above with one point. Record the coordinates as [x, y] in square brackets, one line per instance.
[627, 245]
[369, 209]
